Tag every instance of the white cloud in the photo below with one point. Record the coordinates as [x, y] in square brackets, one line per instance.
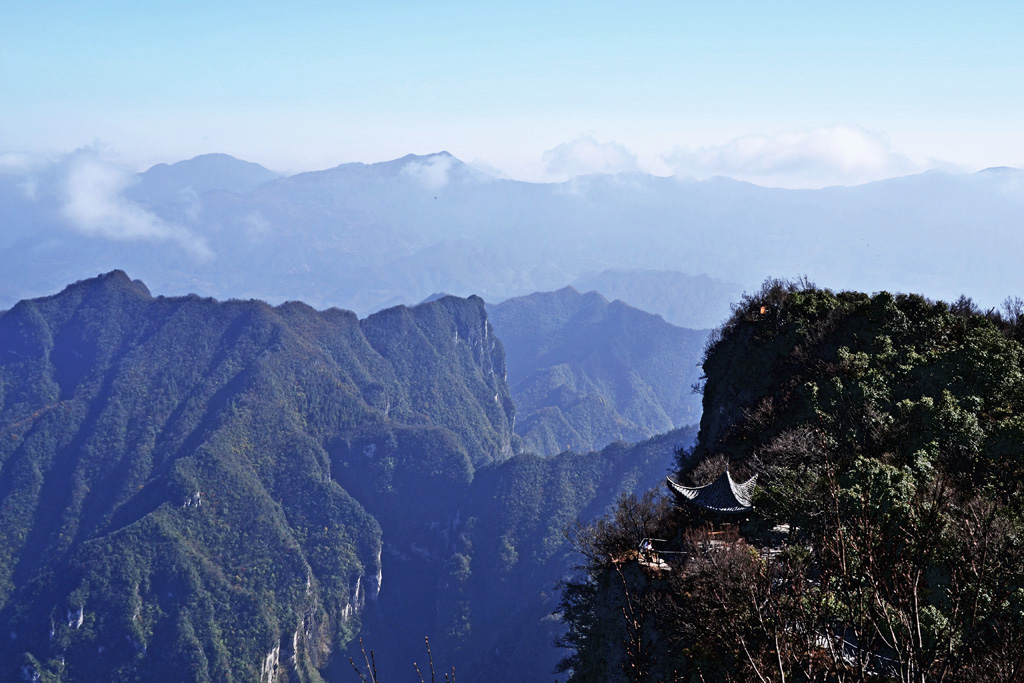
[19, 163]
[817, 157]
[431, 172]
[94, 203]
[24, 167]
[587, 155]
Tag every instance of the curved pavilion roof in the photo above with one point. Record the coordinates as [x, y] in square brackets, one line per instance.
[723, 495]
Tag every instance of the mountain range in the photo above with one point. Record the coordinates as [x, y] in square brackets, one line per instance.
[203, 490]
[365, 236]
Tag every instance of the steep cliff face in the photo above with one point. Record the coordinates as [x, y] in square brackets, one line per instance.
[447, 355]
[194, 483]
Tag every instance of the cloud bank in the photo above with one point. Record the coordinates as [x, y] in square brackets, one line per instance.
[19, 163]
[94, 203]
[431, 172]
[817, 157]
[87, 191]
[586, 155]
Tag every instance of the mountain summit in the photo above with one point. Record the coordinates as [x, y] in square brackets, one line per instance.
[199, 175]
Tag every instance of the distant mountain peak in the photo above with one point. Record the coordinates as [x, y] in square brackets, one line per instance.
[432, 171]
[113, 281]
[210, 160]
[587, 372]
[201, 174]
[432, 155]
[434, 297]
[411, 158]
[999, 169]
[566, 296]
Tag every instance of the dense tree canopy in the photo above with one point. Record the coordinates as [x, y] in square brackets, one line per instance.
[886, 541]
[191, 486]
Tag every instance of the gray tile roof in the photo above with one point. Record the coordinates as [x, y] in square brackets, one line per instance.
[722, 495]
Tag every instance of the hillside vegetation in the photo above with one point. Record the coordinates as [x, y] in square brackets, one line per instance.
[229, 491]
[585, 372]
[888, 436]
[180, 477]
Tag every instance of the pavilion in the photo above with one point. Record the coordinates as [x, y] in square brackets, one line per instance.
[722, 497]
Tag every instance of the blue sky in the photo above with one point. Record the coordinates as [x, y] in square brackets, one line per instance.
[781, 93]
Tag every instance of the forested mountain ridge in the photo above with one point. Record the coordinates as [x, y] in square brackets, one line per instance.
[885, 538]
[203, 490]
[584, 371]
[179, 477]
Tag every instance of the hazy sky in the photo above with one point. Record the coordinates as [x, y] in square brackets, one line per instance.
[781, 93]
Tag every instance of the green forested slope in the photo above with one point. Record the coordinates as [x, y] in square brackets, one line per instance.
[177, 475]
[194, 490]
[585, 372]
[886, 539]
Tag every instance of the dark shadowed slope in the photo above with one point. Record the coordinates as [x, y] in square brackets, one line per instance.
[493, 593]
